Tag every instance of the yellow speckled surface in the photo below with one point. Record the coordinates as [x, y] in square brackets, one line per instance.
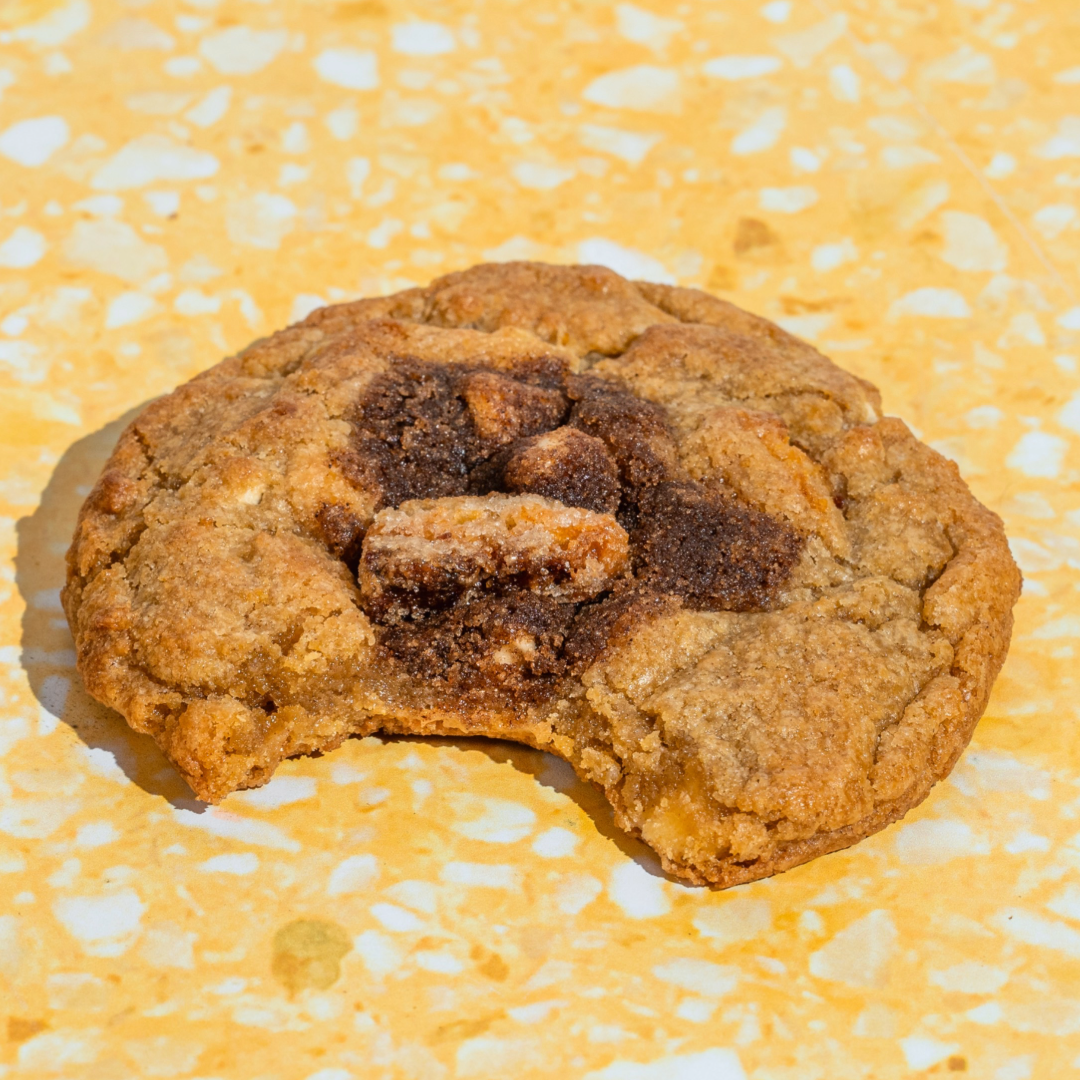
[898, 181]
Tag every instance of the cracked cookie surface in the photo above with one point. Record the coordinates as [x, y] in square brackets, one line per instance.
[627, 523]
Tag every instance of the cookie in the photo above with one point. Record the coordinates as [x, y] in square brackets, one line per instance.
[627, 523]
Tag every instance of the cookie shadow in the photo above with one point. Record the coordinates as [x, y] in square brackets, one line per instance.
[47, 651]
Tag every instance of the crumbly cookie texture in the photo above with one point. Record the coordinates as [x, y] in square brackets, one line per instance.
[627, 523]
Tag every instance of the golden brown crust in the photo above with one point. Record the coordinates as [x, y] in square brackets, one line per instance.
[213, 596]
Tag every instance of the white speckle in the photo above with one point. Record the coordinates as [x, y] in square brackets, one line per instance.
[131, 33]
[555, 843]
[859, 954]
[458, 172]
[221, 823]
[1038, 454]
[971, 243]
[183, 67]
[696, 1010]
[372, 796]
[53, 1051]
[304, 304]
[904, 157]
[1068, 77]
[970, 977]
[803, 46]
[637, 892]
[575, 892]
[608, 1033]
[246, 862]
[490, 1057]
[1001, 165]
[826, 257]
[128, 308]
[163, 203]
[1065, 144]
[1017, 1068]
[261, 220]
[844, 83]
[347, 774]
[33, 142]
[985, 416]
[422, 39]
[378, 952]
[56, 27]
[803, 159]
[14, 325]
[714, 1064]
[623, 260]
[241, 50]
[777, 11]
[734, 920]
[930, 842]
[1069, 417]
[23, 248]
[1070, 320]
[354, 874]
[295, 138]
[1031, 841]
[887, 59]
[101, 205]
[96, 834]
[931, 302]
[150, 159]
[1034, 930]
[698, 976]
[112, 247]
[357, 170]
[343, 123]
[354, 69]
[1067, 902]
[990, 771]
[541, 177]
[499, 876]
[1066, 626]
[734, 68]
[196, 302]
[964, 66]
[396, 918]
[990, 1013]
[644, 87]
[421, 895]
[644, 28]
[105, 925]
[211, 108]
[808, 327]
[157, 102]
[280, 791]
[630, 146]
[502, 821]
[536, 1013]
[228, 987]
[384, 232]
[441, 963]
[922, 1053]
[762, 134]
[1053, 220]
[789, 200]
[876, 1021]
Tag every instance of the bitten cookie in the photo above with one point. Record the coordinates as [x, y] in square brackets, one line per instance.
[627, 523]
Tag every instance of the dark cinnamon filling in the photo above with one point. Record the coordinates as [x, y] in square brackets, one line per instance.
[428, 431]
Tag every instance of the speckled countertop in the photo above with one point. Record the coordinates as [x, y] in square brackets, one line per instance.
[897, 181]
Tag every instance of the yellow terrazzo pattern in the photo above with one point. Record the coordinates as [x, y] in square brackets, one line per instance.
[898, 181]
